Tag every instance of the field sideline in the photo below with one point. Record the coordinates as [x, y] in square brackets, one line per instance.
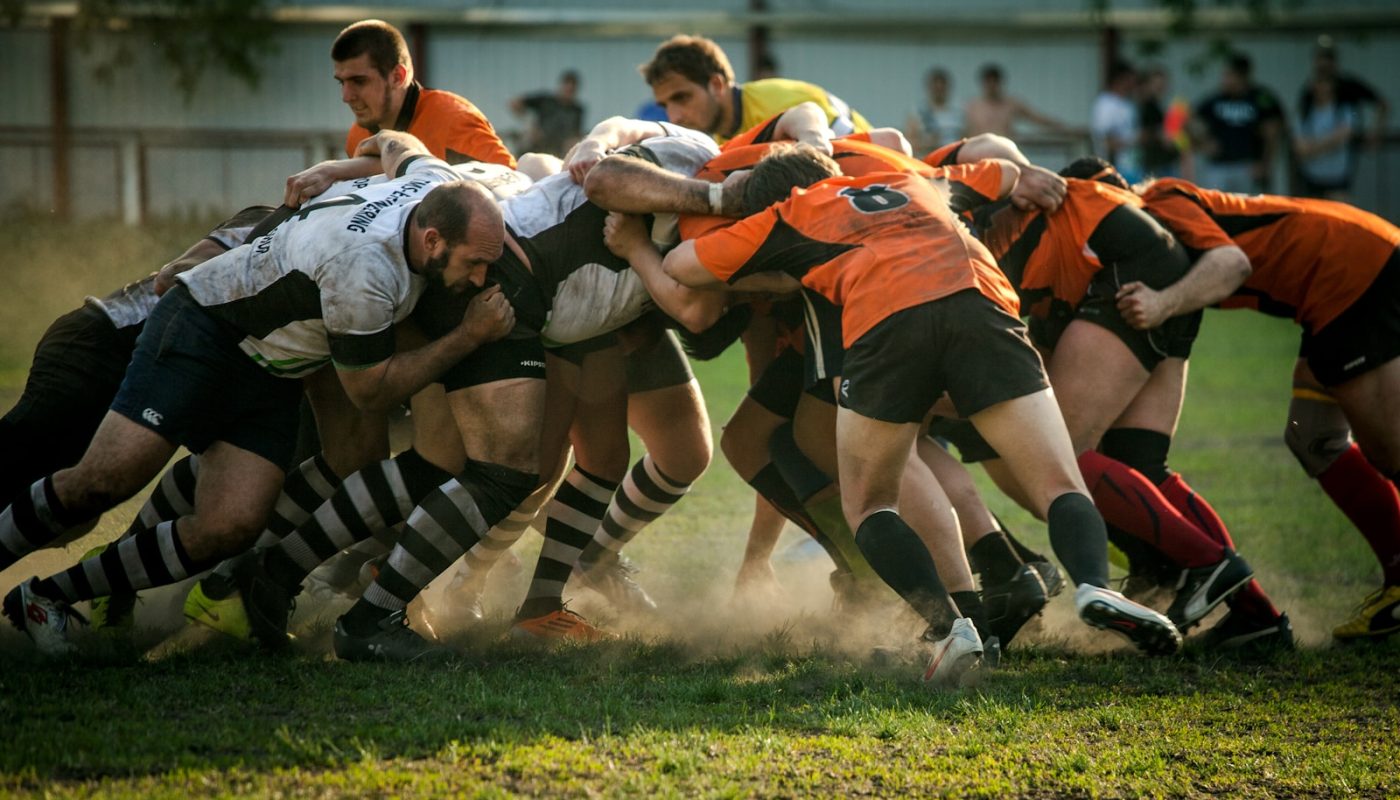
[713, 699]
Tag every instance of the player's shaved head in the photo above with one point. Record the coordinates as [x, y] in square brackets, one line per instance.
[694, 58]
[381, 41]
[785, 168]
[453, 208]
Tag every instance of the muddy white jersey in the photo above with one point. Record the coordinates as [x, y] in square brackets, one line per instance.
[328, 283]
[502, 182]
[587, 290]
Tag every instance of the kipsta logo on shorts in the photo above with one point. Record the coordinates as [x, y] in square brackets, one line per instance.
[152, 416]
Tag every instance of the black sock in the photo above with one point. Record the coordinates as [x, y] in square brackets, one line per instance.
[770, 485]
[994, 559]
[1079, 538]
[970, 606]
[1141, 449]
[899, 557]
[805, 477]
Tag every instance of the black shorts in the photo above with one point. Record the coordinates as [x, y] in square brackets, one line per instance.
[963, 344]
[78, 367]
[519, 355]
[1148, 254]
[575, 353]
[778, 388]
[1363, 337]
[962, 434]
[658, 364]
[190, 383]
[822, 350]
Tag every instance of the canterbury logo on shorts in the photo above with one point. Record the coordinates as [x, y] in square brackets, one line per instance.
[152, 416]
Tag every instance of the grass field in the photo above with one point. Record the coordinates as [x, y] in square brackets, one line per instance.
[712, 698]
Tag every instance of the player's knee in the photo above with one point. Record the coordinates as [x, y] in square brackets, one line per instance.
[688, 459]
[97, 490]
[1317, 434]
[496, 489]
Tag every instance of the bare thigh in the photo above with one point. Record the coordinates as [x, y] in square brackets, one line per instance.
[1095, 377]
[674, 426]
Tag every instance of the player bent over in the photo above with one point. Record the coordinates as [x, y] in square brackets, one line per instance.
[924, 310]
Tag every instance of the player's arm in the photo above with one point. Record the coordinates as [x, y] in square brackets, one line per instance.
[394, 149]
[609, 135]
[376, 378]
[634, 186]
[697, 309]
[806, 123]
[891, 139]
[683, 265]
[1220, 270]
[198, 253]
[314, 180]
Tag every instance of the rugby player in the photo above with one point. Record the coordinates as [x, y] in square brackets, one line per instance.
[1334, 269]
[213, 370]
[909, 279]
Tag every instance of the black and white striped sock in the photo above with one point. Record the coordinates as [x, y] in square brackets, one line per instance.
[645, 494]
[573, 518]
[34, 519]
[367, 503]
[154, 557]
[172, 498]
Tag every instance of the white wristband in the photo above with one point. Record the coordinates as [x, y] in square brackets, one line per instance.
[716, 198]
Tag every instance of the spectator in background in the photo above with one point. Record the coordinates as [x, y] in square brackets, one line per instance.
[767, 67]
[1237, 131]
[995, 112]
[937, 121]
[1329, 123]
[558, 117]
[1113, 122]
[1323, 142]
[1165, 153]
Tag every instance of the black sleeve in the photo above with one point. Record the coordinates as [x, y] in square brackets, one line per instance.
[717, 338]
[1132, 242]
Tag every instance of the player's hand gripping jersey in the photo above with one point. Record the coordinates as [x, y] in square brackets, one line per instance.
[1312, 259]
[874, 245]
[587, 290]
[328, 283]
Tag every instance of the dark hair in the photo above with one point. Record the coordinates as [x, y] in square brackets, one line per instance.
[1239, 64]
[990, 71]
[786, 167]
[1118, 69]
[448, 209]
[569, 76]
[1093, 168]
[694, 58]
[936, 73]
[767, 63]
[383, 42]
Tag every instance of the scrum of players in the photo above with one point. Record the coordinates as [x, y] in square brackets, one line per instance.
[894, 307]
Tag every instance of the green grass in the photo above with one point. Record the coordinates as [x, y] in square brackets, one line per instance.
[717, 699]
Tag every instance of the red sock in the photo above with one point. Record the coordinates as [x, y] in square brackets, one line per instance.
[1129, 501]
[1371, 503]
[1251, 600]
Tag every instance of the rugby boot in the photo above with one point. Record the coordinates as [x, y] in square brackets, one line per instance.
[1377, 617]
[392, 641]
[267, 605]
[613, 576]
[1241, 633]
[1203, 588]
[225, 614]
[954, 656]
[1108, 610]
[45, 621]
[559, 625]
[1012, 604]
[116, 610]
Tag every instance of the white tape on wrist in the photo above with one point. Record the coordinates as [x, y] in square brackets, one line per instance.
[716, 198]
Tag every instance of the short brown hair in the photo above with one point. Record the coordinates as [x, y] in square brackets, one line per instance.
[787, 166]
[694, 58]
[383, 42]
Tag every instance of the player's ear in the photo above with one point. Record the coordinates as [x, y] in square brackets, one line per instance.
[399, 75]
[717, 85]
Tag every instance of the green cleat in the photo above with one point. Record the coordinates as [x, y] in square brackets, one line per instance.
[225, 615]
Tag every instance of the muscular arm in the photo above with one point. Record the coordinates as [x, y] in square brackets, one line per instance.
[696, 309]
[314, 180]
[633, 186]
[806, 123]
[683, 266]
[1214, 277]
[393, 148]
[991, 145]
[382, 386]
[608, 135]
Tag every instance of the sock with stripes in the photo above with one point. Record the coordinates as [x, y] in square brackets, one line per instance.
[645, 494]
[899, 557]
[172, 498]
[368, 502]
[1132, 503]
[34, 519]
[449, 521]
[573, 516]
[303, 491]
[154, 557]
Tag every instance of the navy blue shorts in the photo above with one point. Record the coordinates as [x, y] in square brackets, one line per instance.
[189, 382]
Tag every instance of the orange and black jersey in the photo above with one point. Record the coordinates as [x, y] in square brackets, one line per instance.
[873, 245]
[1311, 258]
[1052, 258]
[450, 127]
[969, 185]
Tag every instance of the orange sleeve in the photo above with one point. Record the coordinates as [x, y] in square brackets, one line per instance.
[472, 136]
[1190, 223]
[356, 135]
[974, 184]
[693, 226]
[726, 251]
[762, 133]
